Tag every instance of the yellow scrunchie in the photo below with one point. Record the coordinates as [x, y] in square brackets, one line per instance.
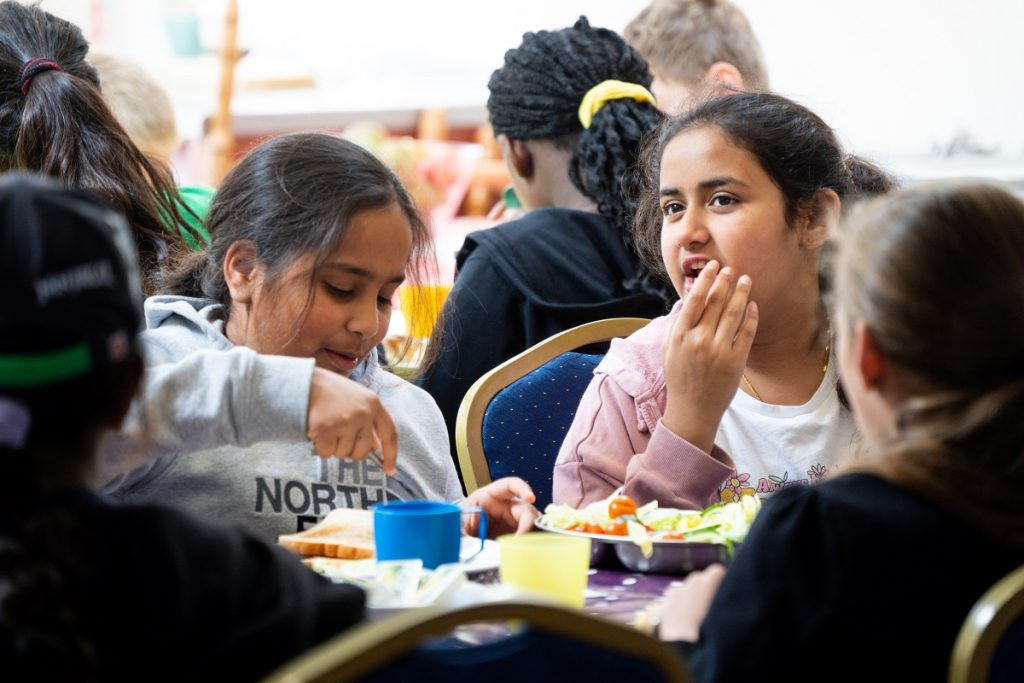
[604, 91]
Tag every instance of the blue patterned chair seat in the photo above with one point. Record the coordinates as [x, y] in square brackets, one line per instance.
[513, 420]
[525, 423]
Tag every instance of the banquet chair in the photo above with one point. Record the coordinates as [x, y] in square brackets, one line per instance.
[990, 645]
[541, 642]
[513, 419]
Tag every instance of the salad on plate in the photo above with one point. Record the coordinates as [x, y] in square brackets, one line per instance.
[618, 518]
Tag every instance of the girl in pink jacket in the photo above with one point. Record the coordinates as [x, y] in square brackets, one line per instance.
[734, 392]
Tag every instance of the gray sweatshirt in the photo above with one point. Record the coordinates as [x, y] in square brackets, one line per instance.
[220, 431]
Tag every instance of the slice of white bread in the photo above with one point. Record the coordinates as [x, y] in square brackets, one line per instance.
[343, 533]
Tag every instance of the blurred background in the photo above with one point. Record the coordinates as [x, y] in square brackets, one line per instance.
[928, 89]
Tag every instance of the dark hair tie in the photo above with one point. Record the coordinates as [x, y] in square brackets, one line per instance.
[33, 67]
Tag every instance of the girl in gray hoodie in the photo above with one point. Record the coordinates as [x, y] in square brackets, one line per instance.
[268, 343]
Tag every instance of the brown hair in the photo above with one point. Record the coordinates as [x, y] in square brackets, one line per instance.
[59, 125]
[294, 195]
[957, 334]
[681, 39]
[798, 151]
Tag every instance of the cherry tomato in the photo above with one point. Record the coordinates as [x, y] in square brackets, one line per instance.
[594, 528]
[617, 528]
[621, 505]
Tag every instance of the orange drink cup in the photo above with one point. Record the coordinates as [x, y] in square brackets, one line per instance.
[421, 306]
[550, 565]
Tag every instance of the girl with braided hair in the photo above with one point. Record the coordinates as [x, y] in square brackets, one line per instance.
[569, 109]
[92, 591]
[54, 121]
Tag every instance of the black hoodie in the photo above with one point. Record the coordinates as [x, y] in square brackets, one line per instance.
[523, 281]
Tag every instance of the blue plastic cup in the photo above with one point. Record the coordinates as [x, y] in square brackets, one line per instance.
[422, 529]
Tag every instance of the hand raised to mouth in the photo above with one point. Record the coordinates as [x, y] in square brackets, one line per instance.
[705, 353]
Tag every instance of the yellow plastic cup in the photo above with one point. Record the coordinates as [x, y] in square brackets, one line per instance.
[421, 306]
[551, 565]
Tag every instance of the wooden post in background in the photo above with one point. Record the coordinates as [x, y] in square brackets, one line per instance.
[220, 138]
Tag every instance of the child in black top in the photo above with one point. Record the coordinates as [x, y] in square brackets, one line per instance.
[871, 574]
[91, 591]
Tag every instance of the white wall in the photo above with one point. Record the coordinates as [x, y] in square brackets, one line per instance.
[902, 77]
[898, 78]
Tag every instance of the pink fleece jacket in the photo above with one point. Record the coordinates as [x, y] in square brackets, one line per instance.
[617, 438]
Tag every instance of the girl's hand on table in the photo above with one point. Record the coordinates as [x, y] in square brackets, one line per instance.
[347, 420]
[705, 354]
[508, 503]
[686, 605]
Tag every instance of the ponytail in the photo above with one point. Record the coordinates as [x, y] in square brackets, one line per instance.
[960, 438]
[54, 121]
[966, 453]
[867, 179]
[985, 424]
[605, 165]
[187, 276]
[536, 95]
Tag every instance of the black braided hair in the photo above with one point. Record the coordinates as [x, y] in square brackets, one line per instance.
[536, 96]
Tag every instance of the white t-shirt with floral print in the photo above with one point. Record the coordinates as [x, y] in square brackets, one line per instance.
[775, 447]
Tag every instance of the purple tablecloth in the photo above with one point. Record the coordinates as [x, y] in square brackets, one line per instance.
[620, 595]
[614, 593]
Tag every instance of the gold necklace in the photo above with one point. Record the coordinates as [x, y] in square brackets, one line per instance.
[753, 391]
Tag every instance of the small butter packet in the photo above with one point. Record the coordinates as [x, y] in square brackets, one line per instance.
[443, 581]
[343, 570]
[400, 579]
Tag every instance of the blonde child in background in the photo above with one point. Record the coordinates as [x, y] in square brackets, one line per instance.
[693, 44]
[875, 571]
[140, 104]
[145, 110]
[734, 392]
[311, 238]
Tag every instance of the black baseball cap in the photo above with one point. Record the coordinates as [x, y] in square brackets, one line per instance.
[70, 293]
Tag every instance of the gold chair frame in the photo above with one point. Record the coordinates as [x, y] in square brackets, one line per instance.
[362, 650]
[984, 628]
[470, 419]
